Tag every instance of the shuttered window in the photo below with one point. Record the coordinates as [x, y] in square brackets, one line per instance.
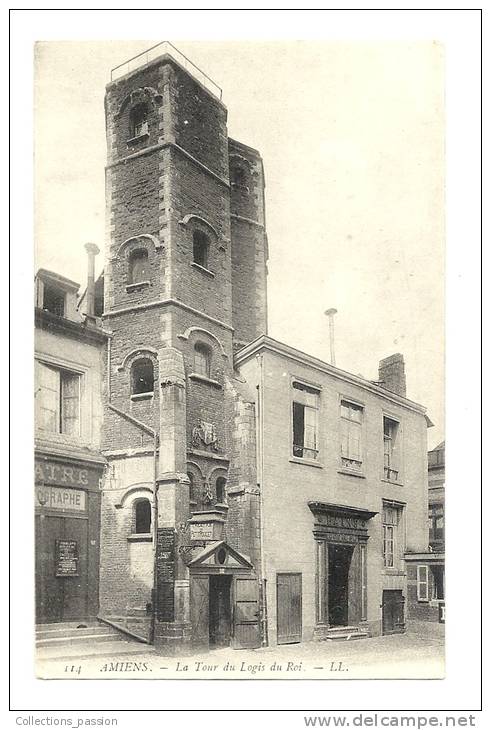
[423, 583]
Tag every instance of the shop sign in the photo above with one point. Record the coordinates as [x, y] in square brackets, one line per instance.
[52, 472]
[58, 498]
[66, 560]
[201, 531]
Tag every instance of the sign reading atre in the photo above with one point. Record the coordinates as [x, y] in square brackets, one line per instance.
[59, 498]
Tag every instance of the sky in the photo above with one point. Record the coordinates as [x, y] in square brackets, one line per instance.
[351, 135]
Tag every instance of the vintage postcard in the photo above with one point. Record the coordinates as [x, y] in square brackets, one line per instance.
[239, 386]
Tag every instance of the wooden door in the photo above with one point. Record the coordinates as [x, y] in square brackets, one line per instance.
[247, 633]
[289, 607]
[220, 610]
[393, 612]
[200, 599]
[75, 587]
[49, 589]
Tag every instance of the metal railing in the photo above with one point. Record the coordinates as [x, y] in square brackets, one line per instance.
[159, 50]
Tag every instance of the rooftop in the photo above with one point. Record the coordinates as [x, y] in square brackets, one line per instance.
[166, 48]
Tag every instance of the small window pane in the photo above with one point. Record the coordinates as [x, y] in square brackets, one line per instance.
[200, 249]
[202, 360]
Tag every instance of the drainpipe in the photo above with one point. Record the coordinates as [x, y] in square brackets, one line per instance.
[92, 251]
[260, 463]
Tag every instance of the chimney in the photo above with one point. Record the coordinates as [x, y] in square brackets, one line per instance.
[330, 314]
[391, 374]
[92, 251]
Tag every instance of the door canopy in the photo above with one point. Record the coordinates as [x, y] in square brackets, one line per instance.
[219, 557]
[340, 523]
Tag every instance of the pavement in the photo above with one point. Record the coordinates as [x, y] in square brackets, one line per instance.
[417, 654]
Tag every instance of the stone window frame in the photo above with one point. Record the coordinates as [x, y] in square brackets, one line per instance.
[344, 467]
[134, 517]
[197, 224]
[85, 404]
[197, 482]
[138, 120]
[399, 451]
[316, 461]
[137, 493]
[239, 163]
[398, 536]
[217, 473]
[199, 337]
[133, 255]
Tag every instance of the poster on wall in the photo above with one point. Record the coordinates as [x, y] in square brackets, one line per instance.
[66, 558]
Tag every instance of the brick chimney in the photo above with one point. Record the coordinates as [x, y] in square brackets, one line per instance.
[391, 374]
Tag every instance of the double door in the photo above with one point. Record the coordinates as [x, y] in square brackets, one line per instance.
[61, 568]
[393, 612]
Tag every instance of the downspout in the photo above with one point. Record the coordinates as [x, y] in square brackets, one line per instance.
[154, 433]
[260, 463]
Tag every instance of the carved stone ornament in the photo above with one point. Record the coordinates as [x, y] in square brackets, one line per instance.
[205, 435]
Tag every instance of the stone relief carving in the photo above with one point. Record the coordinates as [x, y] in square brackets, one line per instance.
[205, 436]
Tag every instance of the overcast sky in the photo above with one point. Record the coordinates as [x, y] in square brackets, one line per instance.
[351, 135]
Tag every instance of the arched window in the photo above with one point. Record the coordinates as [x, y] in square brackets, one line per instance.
[142, 380]
[238, 177]
[201, 245]
[138, 269]
[202, 360]
[143, 516]
[139, 120]
[220, 487]
[192, 494]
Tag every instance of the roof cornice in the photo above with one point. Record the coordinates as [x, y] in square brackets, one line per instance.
[268, 343]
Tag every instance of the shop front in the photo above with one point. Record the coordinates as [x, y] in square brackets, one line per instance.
[67, 521]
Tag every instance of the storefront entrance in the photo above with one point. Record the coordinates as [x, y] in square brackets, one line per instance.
[61, 569]
[220, 610]
[339, 564]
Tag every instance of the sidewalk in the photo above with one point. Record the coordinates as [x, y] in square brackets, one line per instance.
[400, 656]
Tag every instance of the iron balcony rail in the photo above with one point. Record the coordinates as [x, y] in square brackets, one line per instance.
[161, 49]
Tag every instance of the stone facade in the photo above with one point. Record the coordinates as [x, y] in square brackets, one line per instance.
[170, 189]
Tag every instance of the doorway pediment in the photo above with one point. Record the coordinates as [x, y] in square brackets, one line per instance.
[220, 555]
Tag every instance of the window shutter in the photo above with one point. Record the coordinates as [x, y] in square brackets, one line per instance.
[423, 593]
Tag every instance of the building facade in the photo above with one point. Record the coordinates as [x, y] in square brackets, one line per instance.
[426, 571]
[69, 354]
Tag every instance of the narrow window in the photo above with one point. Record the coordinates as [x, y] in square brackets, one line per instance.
[437, 526]
[143, 517]
[57, 400]
[142, 377]
[53, 300]
[437, 573]
[422, 580]
[238, 177]
[138, 269]
[202, 360]
[391, 518]
[200, 249]
[391, 466]
[220, 487]
[139, 120]
[351, 420]
[305, 421]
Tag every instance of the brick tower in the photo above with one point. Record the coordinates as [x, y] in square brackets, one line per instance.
[185, 286]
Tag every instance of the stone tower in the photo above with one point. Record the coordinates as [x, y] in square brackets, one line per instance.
[184, 287]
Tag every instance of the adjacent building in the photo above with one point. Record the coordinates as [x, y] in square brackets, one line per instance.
[426, 571]
[69, 353]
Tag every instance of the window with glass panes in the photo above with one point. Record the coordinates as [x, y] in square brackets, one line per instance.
[351, 422]
[57, 400]
[391, 518]
[391, 466]
[305, 421]
[202, 360]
